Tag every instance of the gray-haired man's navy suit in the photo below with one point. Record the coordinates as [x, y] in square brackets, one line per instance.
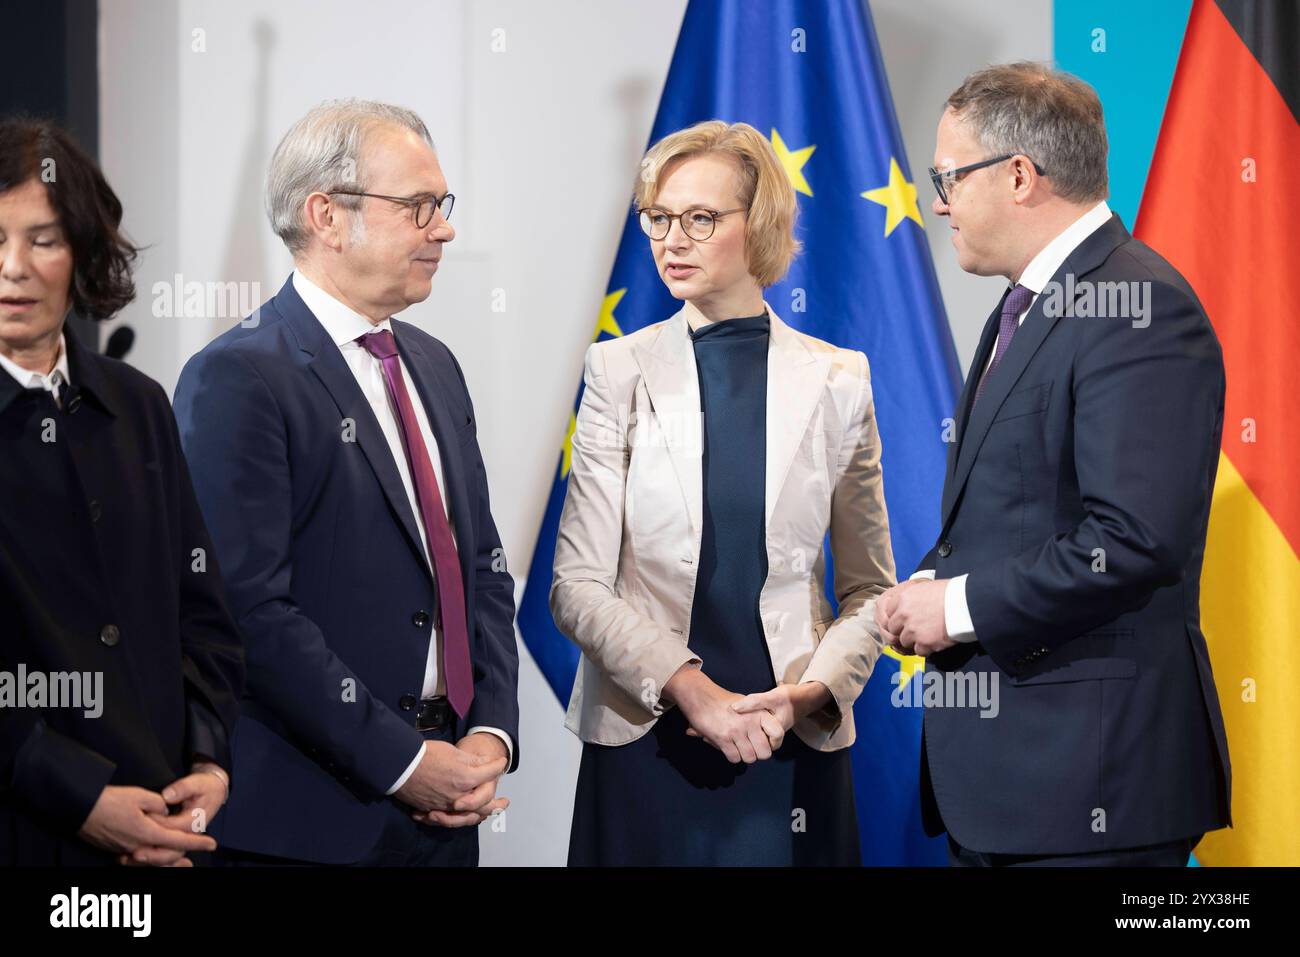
[331, 586]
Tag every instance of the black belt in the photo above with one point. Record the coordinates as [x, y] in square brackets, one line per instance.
[433, 714]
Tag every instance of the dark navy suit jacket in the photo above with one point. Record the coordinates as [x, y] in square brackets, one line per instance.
[1095, 440]
[326, 575]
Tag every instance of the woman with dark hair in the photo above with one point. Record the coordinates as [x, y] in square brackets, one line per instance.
[120, 664]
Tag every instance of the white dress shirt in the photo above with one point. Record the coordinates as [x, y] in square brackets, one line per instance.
[51, 382]
[344, 327]
[1041, 269]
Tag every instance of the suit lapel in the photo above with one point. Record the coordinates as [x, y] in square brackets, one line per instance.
[328, 365]
[795, 380]
[445, 431]
[1089, 254]
[1024, 344]
[988, 339]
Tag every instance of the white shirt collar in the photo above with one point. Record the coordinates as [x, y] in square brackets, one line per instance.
[57, 377]
[341, 324]
[1049, 259]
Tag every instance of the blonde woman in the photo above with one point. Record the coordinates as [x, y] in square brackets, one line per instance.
[713, 451]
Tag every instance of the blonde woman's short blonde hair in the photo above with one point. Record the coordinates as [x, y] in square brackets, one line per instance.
[763, 187]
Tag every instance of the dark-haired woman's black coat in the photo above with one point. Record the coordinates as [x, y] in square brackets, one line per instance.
[105, 566]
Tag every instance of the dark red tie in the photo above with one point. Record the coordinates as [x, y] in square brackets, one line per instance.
[442, 548]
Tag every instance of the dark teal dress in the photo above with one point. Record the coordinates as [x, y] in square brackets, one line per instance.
[671, 799]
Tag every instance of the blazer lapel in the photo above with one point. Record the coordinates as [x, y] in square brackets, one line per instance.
[328, 365]
[445, 431]
[795, 379]
[668, 370]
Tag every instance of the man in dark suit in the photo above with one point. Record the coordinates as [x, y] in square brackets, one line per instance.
[336, 459]
[1067, 567]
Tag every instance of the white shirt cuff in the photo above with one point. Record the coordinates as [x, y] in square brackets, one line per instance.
[415, 763]
[925, 573]
[505, 738]
[956, 614]
[410, 769]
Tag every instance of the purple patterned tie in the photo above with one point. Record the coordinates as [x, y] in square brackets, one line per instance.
[442, 548]
[1017, 301]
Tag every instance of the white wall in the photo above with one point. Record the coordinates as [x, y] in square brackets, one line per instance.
[538, 142]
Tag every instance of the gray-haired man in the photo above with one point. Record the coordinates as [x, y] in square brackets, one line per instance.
[335, 457]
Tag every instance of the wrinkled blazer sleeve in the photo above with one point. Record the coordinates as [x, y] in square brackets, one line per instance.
[637, 654]
[863, 558]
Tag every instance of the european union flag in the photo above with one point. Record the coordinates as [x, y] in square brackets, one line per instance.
[809, 72]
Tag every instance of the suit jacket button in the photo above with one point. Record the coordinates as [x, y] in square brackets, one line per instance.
[109, 635]
[95, 510]
[406, 702]
[420, 619]
[945, 549]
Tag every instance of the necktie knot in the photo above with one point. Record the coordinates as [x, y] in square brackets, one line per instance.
[1017, 300]
[379, 344]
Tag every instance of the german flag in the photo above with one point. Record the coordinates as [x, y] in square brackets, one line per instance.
[1219, 204]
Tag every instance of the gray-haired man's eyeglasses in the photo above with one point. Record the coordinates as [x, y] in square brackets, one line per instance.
[423, 206]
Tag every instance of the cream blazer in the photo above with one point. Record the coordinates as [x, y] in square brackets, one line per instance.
[629, 539]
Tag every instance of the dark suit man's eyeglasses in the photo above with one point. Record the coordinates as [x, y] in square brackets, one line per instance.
[945, 180]
[422, 205]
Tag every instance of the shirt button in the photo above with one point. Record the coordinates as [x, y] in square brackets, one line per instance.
[74, 403]
[945, 549]
[420, 619]
[109, 636]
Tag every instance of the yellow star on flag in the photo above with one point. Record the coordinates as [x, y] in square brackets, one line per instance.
[605, 322]
[793, 161]
[898, 198]
[566, 454]
[908, 665]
